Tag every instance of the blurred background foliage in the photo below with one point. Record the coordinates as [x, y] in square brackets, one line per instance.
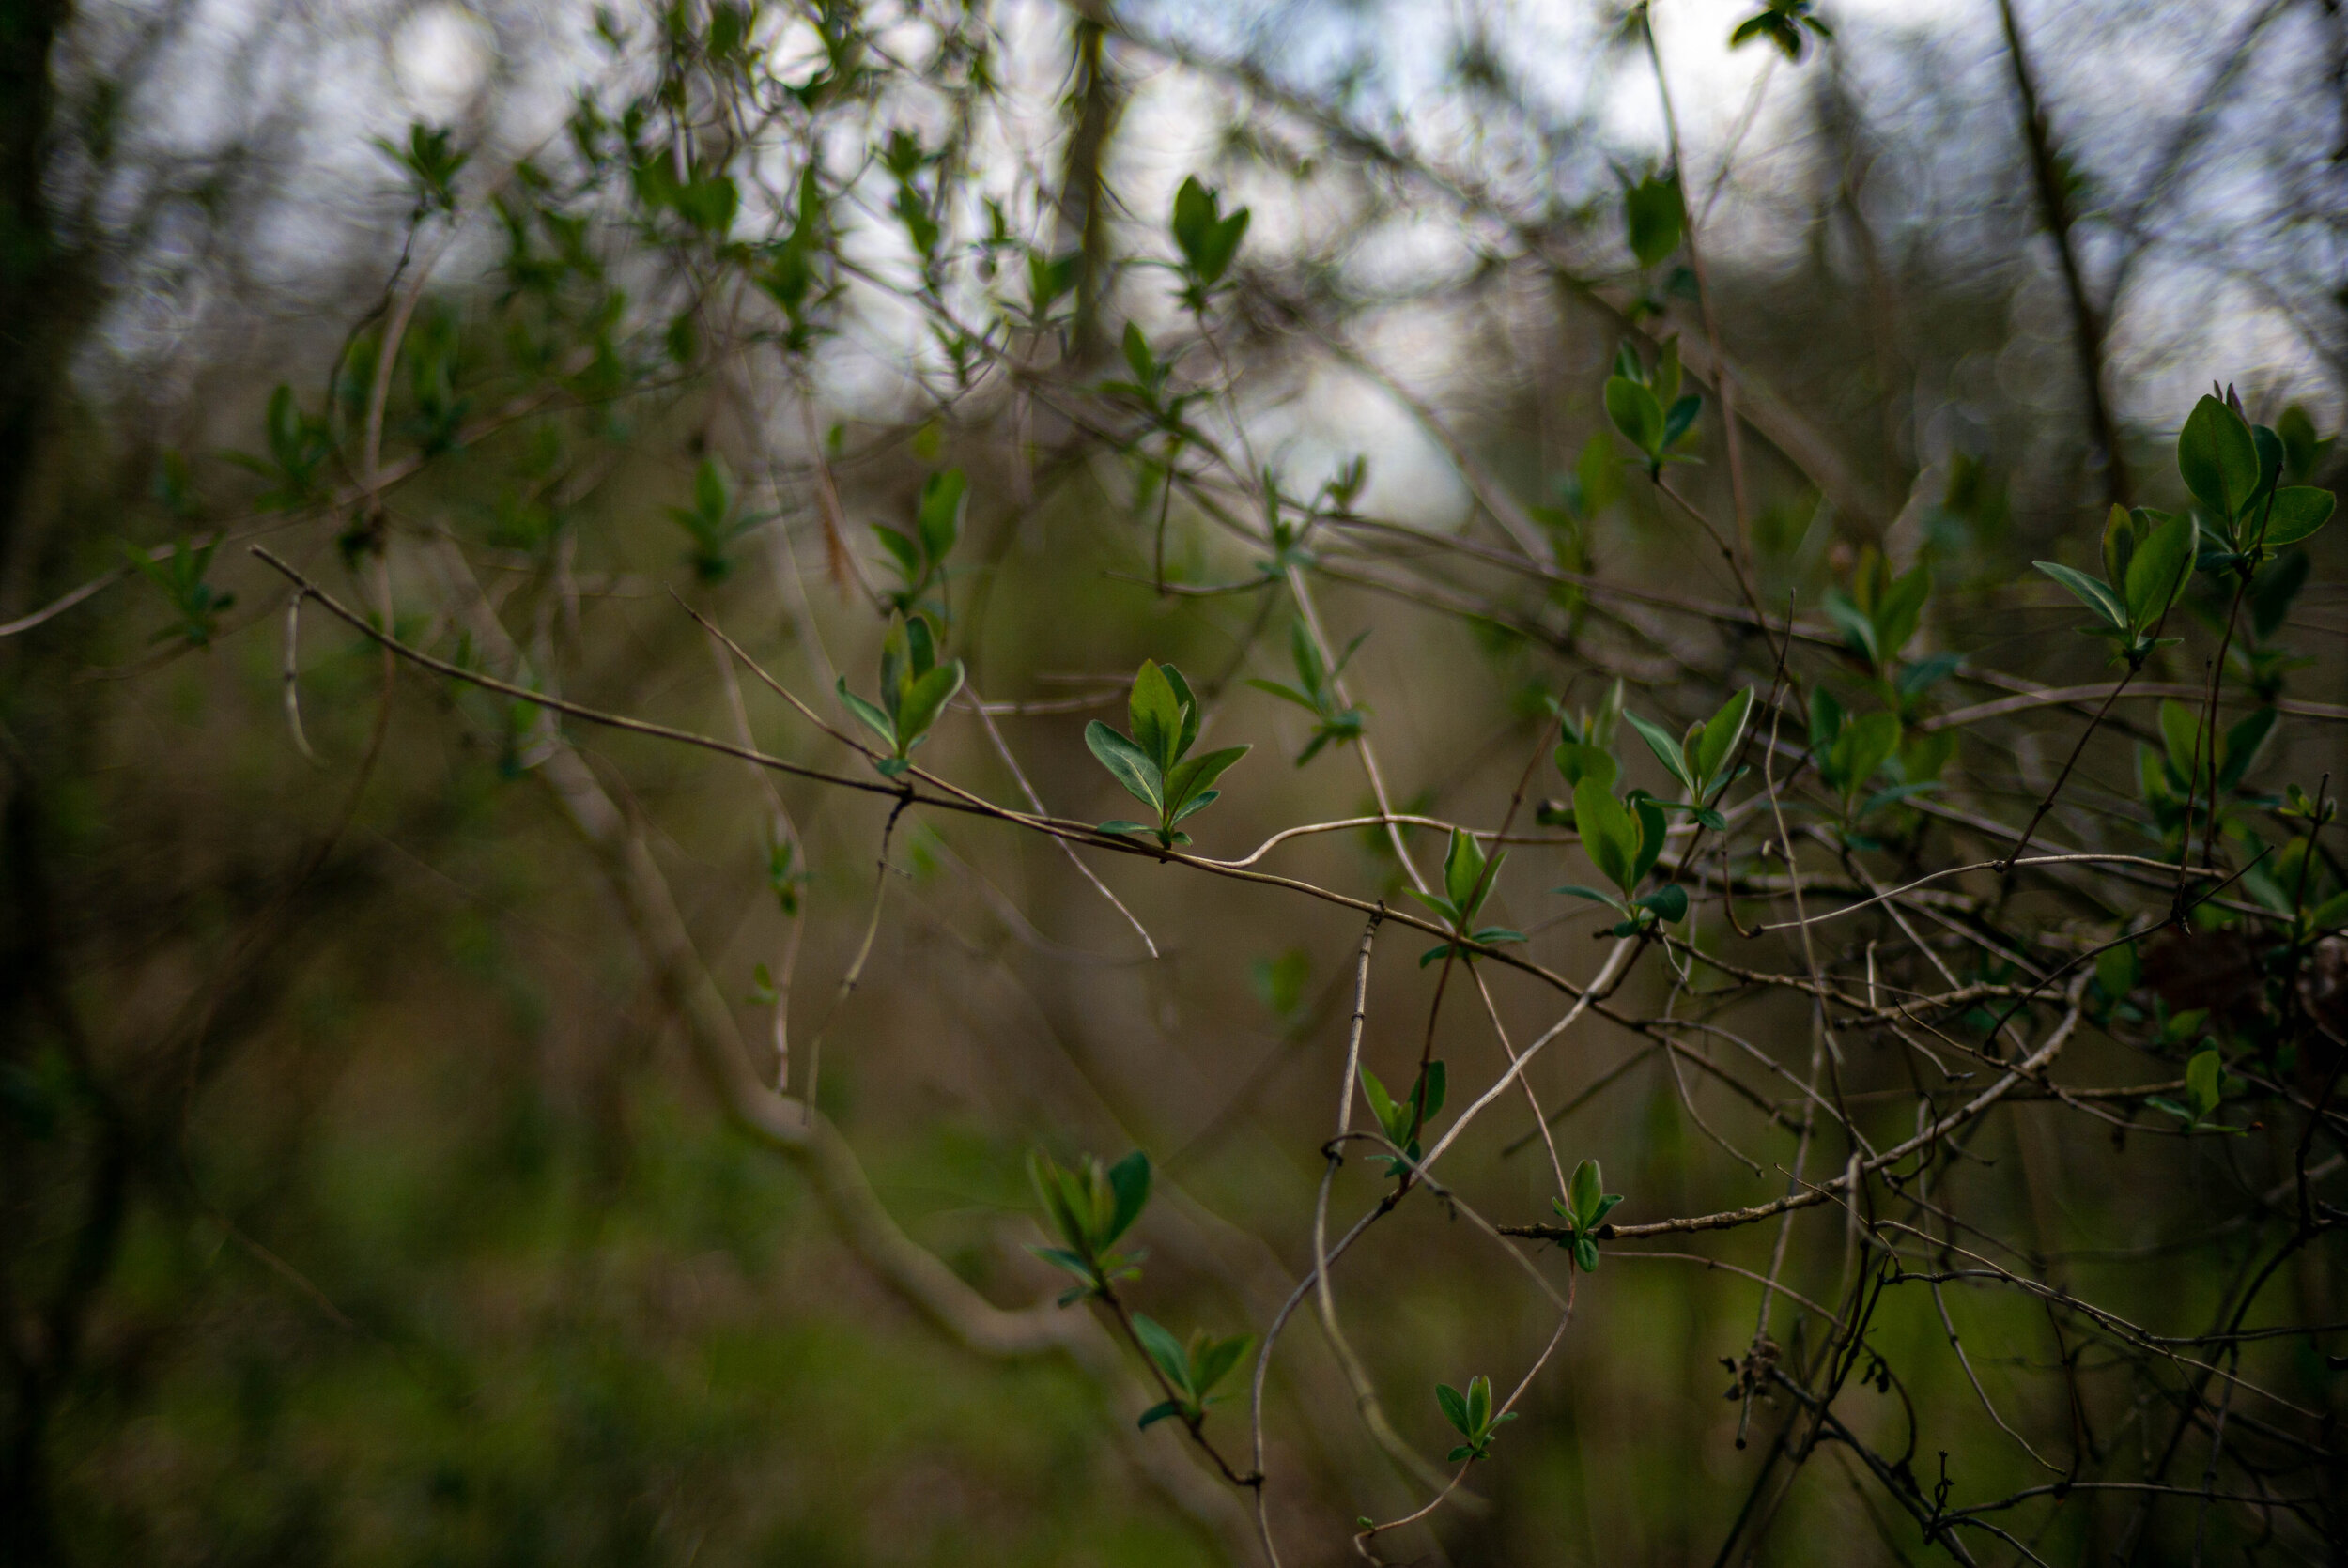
[362, 1196]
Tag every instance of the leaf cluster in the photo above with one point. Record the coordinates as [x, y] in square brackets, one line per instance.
[1090, 1208]
[1587, 1211]
[2148, 561]
[1787, 24]
[915, 689]
[918, 554]
[431, 162]
[1647, 408]
[299, 446]
[712, 522]
[1191, 1370]
[1155, 763]
[1208, 239]
[1623, 838]
[1467, 883]
[179, 578]
[2235, 470]
[1471, 1415]
[1701, 760]
[1403, 1120]
[1316, 692]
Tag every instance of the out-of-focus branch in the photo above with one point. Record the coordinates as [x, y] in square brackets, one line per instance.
[2054, 206]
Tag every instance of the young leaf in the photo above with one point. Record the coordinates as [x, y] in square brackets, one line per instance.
[1609, 836]
[1127, 763]
[2158, 571]
[1586, 1189]
[873, 719]
[1157, 716]
[1652, 217]
[1164, 1349]
[1577, 762]
[1382, 1105]
[938, 517]
[2217, 459]
[1128, 1180]
[1185, 784]
[925, 700]
[1464, 874]
[1722, 732]
[1666, 749]
[1653, 830]
[1636, 414]
[2180, 736]
[1212, 1361]
[2094, 594]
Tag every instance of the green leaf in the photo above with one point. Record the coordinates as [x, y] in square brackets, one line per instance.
[904, 552]
[1207, 240]
[1158, 1412]
[1826, 719]
[1669, 904]
[2201, 1078]
[1576, 890]
[1060, 1257]
[2158, 571]
[1189, 777]
[1212, 1360]
[1286, 694]
[1578, 760]
[1585, 1255]
[927, 698]
[1157, 716]
[2120, 532]
[2094, 594]
[1653, 829]
[873, 719]
[1464, 874]
[1862, 748]
[2117, 970]
[1436, 902]
[938, 519]
[1129, 1179]
[1195, 804]
[1636, 414]
[1609, 836]
[1162, 1348]
[1430, 1090]
[1722, 732]
[2180, 736]
[1679, 417]
[1454, 1409]
[2331, 912]
[1382, 1105]
[1127, 763]
[1653, 219]
[1666, 748]
[1480, 1405]
[2217, 459]
[1138, 357]
[2299, 510]
[1587, 1187]
[1857, 626]
[1896, 614]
